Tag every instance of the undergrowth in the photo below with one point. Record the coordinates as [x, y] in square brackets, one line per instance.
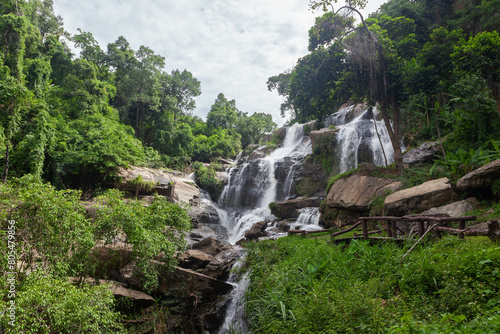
[308, 286]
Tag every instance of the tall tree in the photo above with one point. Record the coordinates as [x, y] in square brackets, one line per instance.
[366, 48]
[223, 113]
[183, 87]
[481, 55]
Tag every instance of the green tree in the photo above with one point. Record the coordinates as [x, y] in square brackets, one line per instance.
[15, 100]
[371, 52]
[252, 128]
[182, 87]
[222, 113]
[481, 55]
[281, 83]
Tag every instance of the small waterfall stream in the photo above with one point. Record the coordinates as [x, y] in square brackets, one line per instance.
[358, 136]
[254, 184]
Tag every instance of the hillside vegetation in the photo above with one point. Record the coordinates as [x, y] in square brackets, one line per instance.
[308, 286]
[69, 122]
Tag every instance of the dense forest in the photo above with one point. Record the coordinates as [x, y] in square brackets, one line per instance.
[69, 122]
[432, 67]
[74, 120]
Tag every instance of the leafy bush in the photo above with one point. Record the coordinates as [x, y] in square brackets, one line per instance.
[463, 162]
[205, 178]
[156, 229]
[52, 232]
[45, 304]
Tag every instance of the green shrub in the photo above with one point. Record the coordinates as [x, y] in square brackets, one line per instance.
[51, 231]
[301, 285]
[152, 230]
[45, 304]
[205, 178]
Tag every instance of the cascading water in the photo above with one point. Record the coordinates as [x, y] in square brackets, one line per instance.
[253, 185]
[245, 200]
[235, 316]
[362, 139]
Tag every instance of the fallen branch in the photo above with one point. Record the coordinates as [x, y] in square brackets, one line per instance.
[419, 240]
[346, 230]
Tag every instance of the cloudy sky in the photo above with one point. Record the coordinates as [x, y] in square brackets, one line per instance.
[230, 46]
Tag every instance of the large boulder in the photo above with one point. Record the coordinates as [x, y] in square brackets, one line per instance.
[420, 198]
[257, 230]
[357, 191]
[220, 266]
[207, 231]
[211, 245]
[183, 192]
[455, 209]
[139, 298]
[161, 180]
[195, 259]
[207, 288]
[289, 209]
[203, 213]
[425, 153]
[481, 178]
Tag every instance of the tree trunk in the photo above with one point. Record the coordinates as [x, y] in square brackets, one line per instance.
[137, 119]
[495, 91]
[398, 156]
[6, 167]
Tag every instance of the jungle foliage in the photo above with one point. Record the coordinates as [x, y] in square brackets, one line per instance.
[431, 66]
[73, 120]
[55, 240]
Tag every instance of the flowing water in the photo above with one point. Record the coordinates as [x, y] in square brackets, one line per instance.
[361, 139]
[253, 185]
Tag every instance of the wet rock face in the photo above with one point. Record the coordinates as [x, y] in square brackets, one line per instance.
[202, 214]
[256, 231]
[221, 265]
[290, 208]
[246, 183]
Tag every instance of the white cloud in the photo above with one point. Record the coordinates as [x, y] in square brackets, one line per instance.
[231, 46]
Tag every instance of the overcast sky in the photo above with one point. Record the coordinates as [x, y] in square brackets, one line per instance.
[230, 46]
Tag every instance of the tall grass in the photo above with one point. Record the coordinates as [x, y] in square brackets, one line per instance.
[308, 286]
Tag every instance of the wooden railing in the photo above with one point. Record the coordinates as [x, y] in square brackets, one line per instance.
[425, 224]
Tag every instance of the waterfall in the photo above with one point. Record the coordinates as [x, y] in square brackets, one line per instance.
[252, 185]
[358, 141]
[234, 321]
